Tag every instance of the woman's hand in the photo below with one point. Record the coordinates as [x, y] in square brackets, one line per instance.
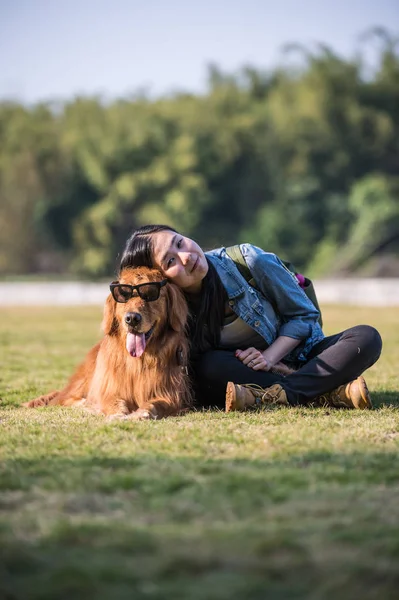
[254, 359]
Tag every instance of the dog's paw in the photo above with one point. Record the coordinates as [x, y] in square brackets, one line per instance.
[34, 403]
[116, 417]
[141, 414]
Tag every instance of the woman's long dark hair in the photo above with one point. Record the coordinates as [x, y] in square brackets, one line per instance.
[138, 250]
[206, 310]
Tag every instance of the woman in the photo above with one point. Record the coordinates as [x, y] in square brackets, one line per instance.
[268, 337]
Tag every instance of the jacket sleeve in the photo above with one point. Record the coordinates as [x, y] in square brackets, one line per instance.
[280, 287]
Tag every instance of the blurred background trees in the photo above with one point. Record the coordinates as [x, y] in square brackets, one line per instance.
[301, 161]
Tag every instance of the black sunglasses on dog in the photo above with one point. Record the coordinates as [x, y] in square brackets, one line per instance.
[122, 292]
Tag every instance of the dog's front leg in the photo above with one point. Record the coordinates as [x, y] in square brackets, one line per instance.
[160, 407]
[109, 407]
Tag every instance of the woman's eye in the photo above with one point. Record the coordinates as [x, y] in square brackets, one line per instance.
[169, 263]
[179, 243]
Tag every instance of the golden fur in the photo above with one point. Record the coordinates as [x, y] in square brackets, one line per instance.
[113, 382]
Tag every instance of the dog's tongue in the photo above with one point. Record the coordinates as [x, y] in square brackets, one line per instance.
[135, 344]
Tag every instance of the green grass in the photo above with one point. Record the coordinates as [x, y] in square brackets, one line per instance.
[286, 503]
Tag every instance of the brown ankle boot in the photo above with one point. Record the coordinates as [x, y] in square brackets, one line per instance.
[240, 397]
[350, 395]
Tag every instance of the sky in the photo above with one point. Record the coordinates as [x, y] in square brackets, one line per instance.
[57, 49]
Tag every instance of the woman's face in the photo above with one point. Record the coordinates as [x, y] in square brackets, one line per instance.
[180, 259]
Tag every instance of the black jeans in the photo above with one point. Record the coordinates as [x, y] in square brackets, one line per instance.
[335, 360]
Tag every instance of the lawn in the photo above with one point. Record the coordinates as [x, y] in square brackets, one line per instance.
[281, 504]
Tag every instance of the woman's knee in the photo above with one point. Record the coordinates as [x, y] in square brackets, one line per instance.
[369, 340]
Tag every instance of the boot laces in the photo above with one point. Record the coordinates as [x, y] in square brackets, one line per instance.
[263, 395]
[332, 398]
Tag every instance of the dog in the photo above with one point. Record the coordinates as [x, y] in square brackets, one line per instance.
[138, 370]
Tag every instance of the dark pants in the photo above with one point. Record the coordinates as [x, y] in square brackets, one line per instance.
[335, 360]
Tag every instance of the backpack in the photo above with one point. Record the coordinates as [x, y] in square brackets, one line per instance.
[234, 252]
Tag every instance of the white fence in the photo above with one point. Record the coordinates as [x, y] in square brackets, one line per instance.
[361, 292]
[366, 292]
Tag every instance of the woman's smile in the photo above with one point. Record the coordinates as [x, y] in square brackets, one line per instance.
[195, 265]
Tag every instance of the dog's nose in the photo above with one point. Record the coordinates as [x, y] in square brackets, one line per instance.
[133, 319]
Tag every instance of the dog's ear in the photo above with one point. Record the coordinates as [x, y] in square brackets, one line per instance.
[110, 322]
[176, 307]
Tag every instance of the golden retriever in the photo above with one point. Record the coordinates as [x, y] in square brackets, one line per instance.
[138, 370]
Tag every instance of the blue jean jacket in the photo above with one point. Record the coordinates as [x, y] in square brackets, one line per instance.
[296, 317]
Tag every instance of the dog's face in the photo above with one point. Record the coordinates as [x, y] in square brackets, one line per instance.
[141, 321]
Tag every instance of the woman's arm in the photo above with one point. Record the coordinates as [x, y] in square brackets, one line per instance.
[266, 360]
[282, 346]
[297, 314]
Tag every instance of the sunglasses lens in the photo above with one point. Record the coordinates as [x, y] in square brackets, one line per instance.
[122, 293]
[149, 292]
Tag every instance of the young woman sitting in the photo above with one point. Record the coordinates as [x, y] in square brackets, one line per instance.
[256, 346]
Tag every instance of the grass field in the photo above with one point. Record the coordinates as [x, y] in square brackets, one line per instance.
[282, 504]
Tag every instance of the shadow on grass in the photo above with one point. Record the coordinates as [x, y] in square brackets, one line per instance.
[184, 528]
[381, 399]
[176, 527]
[94, 561]
[207, 483]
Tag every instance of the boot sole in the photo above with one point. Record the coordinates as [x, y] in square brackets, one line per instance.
[365, 394]
[231, 398]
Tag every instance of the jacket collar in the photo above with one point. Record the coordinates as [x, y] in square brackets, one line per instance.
[228, 272]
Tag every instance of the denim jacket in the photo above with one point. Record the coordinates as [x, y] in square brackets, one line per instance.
[296, 316]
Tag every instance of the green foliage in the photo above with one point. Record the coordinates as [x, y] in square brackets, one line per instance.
[286, 160]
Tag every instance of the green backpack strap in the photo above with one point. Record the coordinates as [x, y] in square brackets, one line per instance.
[234, 252]
[311, 294]
[236, 255]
